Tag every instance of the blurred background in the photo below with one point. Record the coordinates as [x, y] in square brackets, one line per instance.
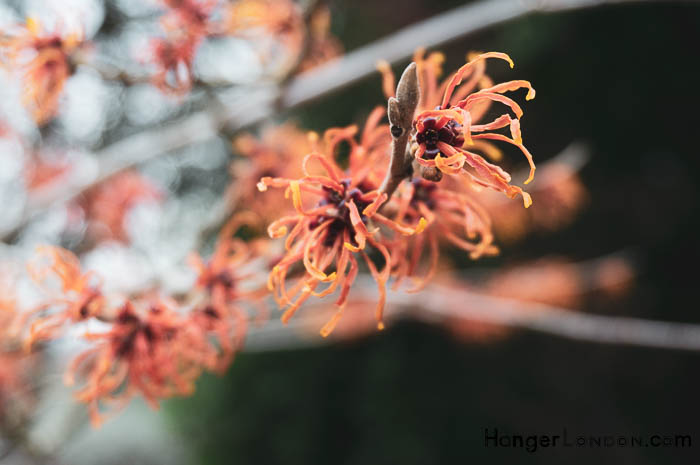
[616, 87]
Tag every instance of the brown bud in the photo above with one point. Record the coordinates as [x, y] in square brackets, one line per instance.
[431, 173]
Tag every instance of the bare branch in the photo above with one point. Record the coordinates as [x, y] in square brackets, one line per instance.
[439, 303]
[433, 32]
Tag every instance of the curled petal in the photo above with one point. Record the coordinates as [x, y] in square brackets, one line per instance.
[494, 177]
[470, 101]
[372, 208]
[457, 78]
[332, 170]
[522, 148]
[511, 86]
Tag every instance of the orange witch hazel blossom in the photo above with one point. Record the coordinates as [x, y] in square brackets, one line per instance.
[187, 24]
[147, 351]
[450, 214]
[282, 19]
[79, 298]
[220, 315]
[43, 60]
[335, 220]
[152, 346]
[444, 135]
[173, 59]
[448, 132]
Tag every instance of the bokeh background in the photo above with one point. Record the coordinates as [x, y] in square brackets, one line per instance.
[618, 81]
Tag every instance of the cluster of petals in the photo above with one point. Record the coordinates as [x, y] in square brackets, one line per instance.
[339, 213]
[450, 215]
[186, 24]
[335, 220]
[151, 351]
[73, 295]
[449, 133]
[43, 61]
[153, 346]
[279, 29]
[219, 314]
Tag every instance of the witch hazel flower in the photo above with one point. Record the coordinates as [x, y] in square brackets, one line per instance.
[335, 224]
[43, 60]
[448, 130]
[449, 214]
[147, 350]
[224, 280]
[446, 139]
[78, 298]
[186, 24]
[443, 135]
[148, 345]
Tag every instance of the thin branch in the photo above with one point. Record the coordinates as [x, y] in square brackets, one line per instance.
[439, 303]
[400, 111]
[435, 31]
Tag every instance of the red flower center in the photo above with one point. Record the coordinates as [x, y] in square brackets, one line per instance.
[450, 134]
[341, 217]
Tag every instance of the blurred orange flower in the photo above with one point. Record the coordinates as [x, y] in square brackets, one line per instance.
[222, 277]
[107, 204]
[322, 45]
[173, 58]
[280, 20]
[278, 153]
[150, 352]
[78, 299]
[40, 172]
[44, 61]
[560, 197]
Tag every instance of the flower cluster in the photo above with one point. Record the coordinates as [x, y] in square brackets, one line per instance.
[186, 24]
[153, 346]
[44, 61]
[333, 221]
[448, 128]
[340, 213]
[149, 351]
[384, 199]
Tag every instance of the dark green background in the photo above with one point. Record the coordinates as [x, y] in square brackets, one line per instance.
[623, 79]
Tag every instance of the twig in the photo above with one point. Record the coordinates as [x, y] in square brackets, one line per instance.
[433, 32]
[400, 112]
[438, 303]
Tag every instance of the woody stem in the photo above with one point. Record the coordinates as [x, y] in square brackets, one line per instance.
[400, 110]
